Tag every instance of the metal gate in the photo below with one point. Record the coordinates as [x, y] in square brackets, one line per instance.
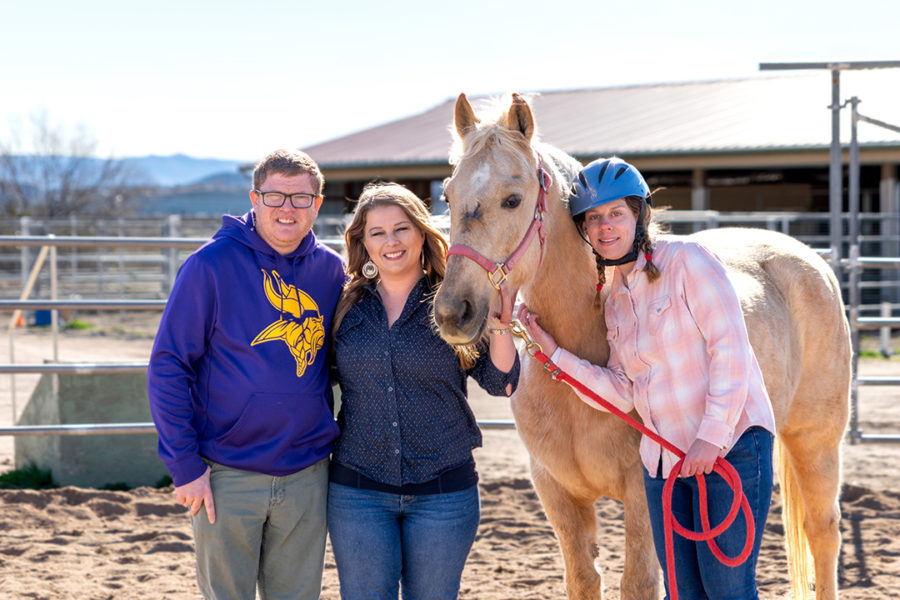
[854, 266]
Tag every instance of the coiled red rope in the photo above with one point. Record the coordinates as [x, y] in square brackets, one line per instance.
[722, 467]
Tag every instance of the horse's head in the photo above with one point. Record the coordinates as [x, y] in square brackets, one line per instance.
[493, 196]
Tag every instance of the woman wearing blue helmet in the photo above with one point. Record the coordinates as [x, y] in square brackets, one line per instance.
[681, 357]
[601, 183]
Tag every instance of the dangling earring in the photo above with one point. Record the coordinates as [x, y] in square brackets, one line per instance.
[369, 269]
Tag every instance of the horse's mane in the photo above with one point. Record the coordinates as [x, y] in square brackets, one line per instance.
[562, 166]
[484, 135]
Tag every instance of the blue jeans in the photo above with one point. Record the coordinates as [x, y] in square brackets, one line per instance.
[699, 574]
[382, 540]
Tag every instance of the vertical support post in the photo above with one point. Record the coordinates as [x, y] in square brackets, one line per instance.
[173, 227]
[885, 333]
[853, 308]
[24, 230]
[853, 291]
[890, 227]
[835, 176]
[699, 194]
[853, 183]
[120, 229]
[73, 255]
[54, 295]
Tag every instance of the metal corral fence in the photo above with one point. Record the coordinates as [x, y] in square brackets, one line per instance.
[138, 270]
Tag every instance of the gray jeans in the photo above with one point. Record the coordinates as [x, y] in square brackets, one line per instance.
[269, 531]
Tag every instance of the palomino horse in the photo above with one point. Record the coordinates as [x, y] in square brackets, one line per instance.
[792, 306]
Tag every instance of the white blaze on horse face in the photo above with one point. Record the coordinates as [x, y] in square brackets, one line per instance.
[480, 177]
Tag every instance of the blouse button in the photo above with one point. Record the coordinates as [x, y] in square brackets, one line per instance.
[390, 389]
[394, 424]
[396, 451]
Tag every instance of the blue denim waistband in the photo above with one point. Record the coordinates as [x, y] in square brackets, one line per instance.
[453, 480]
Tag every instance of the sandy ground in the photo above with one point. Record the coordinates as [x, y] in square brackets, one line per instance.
[84, 543]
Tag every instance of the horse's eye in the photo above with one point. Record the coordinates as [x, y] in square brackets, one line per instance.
[512, 201]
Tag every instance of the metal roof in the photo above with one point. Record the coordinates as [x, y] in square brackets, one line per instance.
[759, 114]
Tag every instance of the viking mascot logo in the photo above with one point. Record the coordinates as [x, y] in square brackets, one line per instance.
[304, 333]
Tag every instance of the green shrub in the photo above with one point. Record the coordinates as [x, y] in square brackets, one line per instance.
[31, 477]
[119, 486]
[876, 354]
[78, 325]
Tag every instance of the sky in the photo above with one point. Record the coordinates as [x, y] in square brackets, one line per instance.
[235, 80]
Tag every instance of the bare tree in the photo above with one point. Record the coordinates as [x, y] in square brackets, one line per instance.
[59, 174]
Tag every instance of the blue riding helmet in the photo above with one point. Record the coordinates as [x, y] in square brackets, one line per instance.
[605, 180]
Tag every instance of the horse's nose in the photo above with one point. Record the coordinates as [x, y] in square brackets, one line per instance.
[454, 315]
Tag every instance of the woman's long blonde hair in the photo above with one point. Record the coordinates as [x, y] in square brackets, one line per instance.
[434, 250]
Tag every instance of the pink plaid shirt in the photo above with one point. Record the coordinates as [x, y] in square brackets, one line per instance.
[679, 354]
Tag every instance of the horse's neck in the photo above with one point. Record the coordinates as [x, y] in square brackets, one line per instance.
[562, 291]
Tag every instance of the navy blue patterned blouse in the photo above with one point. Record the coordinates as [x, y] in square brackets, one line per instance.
[404, 415]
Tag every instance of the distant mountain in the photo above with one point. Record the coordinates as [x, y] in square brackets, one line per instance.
[233, 179]
[143, 171]
[180, 170]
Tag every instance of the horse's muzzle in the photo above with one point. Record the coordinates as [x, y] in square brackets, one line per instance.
[458, 321]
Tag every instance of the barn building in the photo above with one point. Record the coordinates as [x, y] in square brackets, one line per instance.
[755, 144]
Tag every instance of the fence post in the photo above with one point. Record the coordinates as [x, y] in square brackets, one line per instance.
[853, 309]
[54, 295]
[102, 229]
[886, 331]
[173, 226]
[699, 194]
[25, 229]
[73, 255]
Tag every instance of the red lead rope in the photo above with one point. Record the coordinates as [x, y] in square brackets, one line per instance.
[722, 467]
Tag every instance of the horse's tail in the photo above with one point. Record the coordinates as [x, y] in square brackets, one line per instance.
[793, 514]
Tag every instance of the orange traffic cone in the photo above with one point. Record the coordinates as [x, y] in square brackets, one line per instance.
[20, 322]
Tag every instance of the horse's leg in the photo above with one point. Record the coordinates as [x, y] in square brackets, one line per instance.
[575, 524]
[815, 463]
[641, 577]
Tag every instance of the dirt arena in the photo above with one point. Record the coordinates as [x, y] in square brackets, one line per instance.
[73, 543]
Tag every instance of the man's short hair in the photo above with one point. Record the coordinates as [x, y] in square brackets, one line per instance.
[288, 162]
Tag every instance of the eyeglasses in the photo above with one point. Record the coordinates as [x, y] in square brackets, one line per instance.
[276, 199]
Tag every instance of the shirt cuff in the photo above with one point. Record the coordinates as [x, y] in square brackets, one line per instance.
[716, 433]
[556, 355]
[494, 381]
[187, 470]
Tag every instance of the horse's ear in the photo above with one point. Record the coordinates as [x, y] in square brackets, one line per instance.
[519, 117]
[464, 117]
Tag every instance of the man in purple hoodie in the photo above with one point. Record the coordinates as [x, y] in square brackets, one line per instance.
[239, 390]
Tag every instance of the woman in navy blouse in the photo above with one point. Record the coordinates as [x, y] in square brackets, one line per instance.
[403, 503]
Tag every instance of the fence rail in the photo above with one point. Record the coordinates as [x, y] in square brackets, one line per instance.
[681, 222]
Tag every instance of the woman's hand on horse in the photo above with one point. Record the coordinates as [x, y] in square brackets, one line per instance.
[700, 458]
[496, 318]
[529, 320]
